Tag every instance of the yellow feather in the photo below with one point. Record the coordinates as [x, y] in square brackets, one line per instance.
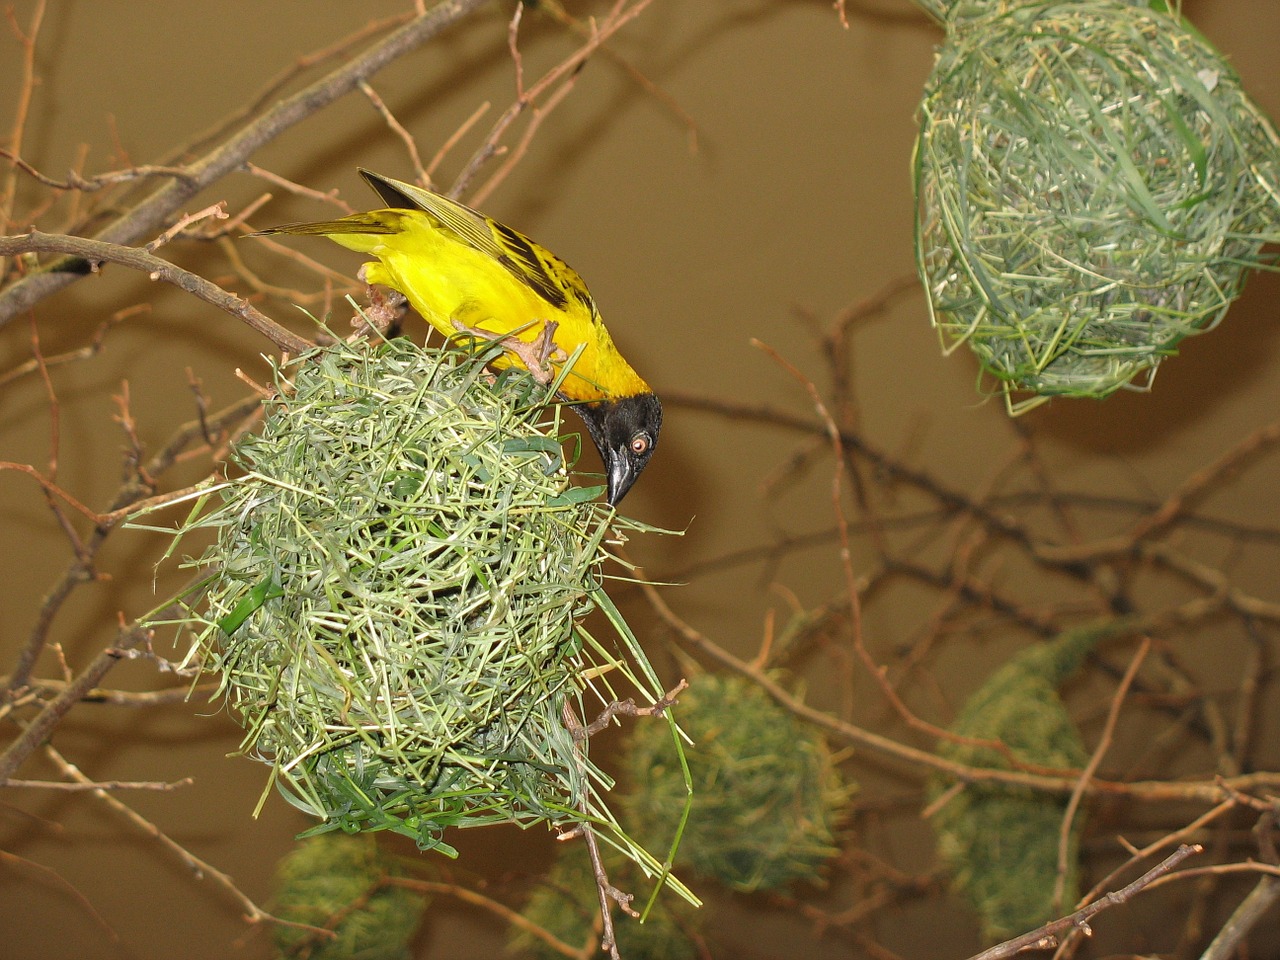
[458, 266]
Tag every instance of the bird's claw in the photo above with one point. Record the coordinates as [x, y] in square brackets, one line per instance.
[385, 310]
[536, 355]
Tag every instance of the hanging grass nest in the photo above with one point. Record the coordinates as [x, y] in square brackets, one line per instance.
[1093, 185]
[953, 11]
[338, 882]
[1001, 842]
[766, 794]
[394, 603]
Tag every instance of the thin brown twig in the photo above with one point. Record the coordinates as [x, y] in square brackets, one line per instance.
[628, 708]
[1250, 911]
[91, 349]
[618, 16]
[497, 908]
[878, 673]
[841, 467]
[1157, 522]
[52, 490]
[55, 786]
[557, 12]
[1247, 915]
[55, 408]
[1224, 869]
[1074, 938]
[198, 868]
[96, 252]
[113, 697]
[1203, 791]
[1091, 768]
[38, 730]
[216, 211]
[323, 196]
[453, 140]
[606, 892]
[77, 182]
[22, 108]
[396, 127]
[80, 569]
[270, 93]
[231, 153]
[1051, 933]
[56, 879]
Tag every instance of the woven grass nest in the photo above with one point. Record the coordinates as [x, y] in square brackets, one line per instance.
[767, 794]
[394, 601]
[1093, 185]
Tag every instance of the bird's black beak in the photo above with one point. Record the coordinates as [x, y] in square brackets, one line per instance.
[621, 474]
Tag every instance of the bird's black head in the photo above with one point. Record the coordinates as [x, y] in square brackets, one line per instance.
[625, 431]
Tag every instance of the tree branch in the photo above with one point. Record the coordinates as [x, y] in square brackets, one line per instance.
[97, 252]
[150, 215]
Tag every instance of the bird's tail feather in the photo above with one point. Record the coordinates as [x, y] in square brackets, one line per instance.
[358, 224]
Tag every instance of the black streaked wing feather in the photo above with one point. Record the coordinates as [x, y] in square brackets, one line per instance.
[554, 281]
[521, 258]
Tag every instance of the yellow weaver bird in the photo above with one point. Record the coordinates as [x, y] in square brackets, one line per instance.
[467, 273]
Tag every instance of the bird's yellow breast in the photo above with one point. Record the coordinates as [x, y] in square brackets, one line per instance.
[449, 282]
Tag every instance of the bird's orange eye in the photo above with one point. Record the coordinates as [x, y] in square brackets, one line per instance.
[640, 444]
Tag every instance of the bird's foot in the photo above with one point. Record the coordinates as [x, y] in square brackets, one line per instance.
[536, 355]
[385, 310]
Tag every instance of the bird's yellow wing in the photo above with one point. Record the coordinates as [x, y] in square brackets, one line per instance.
[528, 262]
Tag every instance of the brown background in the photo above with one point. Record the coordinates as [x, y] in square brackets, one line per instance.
[797, 200]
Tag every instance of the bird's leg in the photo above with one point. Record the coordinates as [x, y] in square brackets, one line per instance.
[534, 354]
[386, 307]
[545, 344]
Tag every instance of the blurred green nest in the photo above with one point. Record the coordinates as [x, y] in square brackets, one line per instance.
[1093, 185]
[395, 597]
[768, 796]
[344, 884]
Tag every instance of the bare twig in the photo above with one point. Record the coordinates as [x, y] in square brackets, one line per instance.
[22, 108]
[54, 786]
[39, 729]
[54, 879]
[1154, 524]
[150, 214]
[1204, 791]
[1099, 751]
[199, 869]
[527, 98]
[628, 708]
[497, 908]
[96, 252]
[216, 211]
[1051, 933]
[80, 570]
[1259, 900]
[91, 349]
[607, 893]
[396, 127]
